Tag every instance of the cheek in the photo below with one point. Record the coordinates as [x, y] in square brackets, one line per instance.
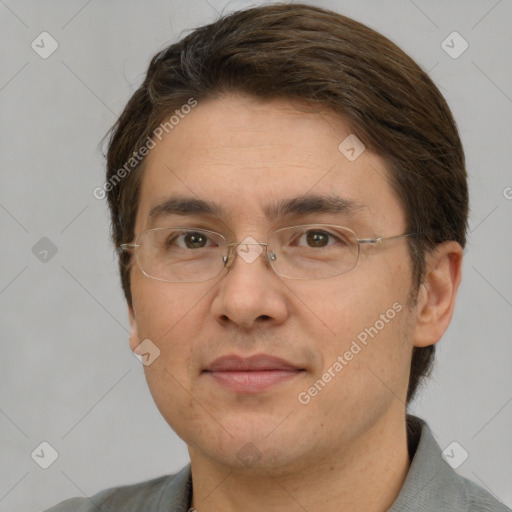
[160, 308]
[168, 316]
[365, 352]
[344, 306]
[364, 315]
[165, 314]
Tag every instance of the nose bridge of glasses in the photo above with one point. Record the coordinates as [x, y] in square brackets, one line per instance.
[246, 243]
[246, 255]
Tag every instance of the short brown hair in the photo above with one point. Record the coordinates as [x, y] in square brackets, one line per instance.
[298, 51]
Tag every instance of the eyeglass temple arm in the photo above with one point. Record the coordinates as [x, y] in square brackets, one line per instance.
[381, 239]
[123, 247]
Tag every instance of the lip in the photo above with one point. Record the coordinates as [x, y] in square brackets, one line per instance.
[252, 374]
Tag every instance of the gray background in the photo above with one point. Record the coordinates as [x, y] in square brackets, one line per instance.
[67, 374]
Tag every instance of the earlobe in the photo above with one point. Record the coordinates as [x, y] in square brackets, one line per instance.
[134, 334]
[437, 294]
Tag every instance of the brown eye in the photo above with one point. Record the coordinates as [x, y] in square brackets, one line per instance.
[188, 240]
[194, 240]
[317, 238]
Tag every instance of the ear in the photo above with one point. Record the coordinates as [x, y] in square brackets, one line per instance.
[134, 332]
[437, 293]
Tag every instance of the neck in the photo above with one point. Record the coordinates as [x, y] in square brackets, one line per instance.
[365, 476]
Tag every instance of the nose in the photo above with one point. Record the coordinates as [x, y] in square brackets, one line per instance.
[250, 293]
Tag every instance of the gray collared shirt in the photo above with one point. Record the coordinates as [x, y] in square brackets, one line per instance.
[431, 485]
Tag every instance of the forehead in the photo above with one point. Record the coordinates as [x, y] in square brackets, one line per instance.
[248, 159]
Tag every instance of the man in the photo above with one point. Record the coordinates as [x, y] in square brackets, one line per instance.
[289, 201]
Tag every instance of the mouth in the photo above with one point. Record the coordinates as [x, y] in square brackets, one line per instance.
[251, 374]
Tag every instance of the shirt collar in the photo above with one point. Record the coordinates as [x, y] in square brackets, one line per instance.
[429, 479]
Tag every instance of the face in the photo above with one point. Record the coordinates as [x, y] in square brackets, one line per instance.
[342, 344]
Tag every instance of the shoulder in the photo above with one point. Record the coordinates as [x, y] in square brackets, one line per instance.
[480, 500]
[169, 492]
[432, 484]
[468, 495]
[465, 495]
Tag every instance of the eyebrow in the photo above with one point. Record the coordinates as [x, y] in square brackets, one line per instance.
[297, 206]
[305, 205]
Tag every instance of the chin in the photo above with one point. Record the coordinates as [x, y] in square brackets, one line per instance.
[249, 444]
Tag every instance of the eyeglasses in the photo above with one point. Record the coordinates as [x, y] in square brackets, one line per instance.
[312, 251]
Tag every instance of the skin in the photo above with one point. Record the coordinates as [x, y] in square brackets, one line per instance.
[346, 449]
